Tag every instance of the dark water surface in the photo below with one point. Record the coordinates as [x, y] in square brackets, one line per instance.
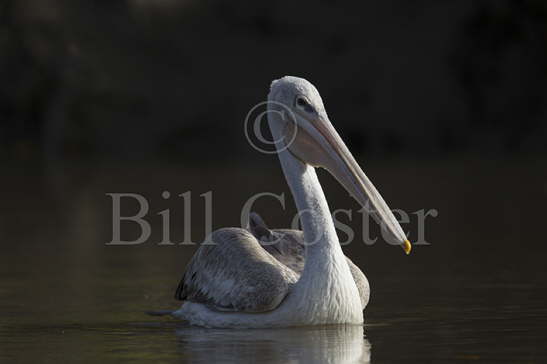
[477, 293]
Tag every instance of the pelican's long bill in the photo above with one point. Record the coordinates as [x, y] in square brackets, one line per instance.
[317, 143]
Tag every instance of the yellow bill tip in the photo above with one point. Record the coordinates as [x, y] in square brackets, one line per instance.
[407, 247]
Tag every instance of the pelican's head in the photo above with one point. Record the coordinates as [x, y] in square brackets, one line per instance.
[296, 109]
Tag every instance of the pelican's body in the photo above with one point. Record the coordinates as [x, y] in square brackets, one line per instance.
[264, 278]
[249, 252]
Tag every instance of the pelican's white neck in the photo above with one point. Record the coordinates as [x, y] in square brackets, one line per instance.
[326, 286]
[326, 289]
[313, 210]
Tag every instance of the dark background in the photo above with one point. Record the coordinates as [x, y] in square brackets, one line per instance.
[140, 78]
[443, 104]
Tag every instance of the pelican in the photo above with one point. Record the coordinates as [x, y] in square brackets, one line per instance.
[259, 277]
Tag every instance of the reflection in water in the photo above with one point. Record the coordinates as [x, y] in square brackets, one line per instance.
[326, 344]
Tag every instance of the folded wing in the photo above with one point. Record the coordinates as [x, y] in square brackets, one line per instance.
[233, 272]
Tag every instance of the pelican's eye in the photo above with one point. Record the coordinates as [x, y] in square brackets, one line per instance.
[302, 103]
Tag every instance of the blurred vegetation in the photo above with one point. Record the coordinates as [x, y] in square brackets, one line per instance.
[503, 70]
[145, 78]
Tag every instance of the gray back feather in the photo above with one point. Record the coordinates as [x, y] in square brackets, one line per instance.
[235, 273]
